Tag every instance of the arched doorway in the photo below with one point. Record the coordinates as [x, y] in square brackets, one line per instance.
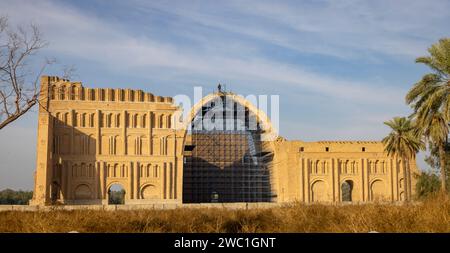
[116, 194]
[377, 190]
[225, 157]
[319, 191]
[346, 191]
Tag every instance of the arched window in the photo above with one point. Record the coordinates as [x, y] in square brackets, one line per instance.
[91, 120]
[144, 120]
[62, 92]
[169, 121]
[112, 95]
[92, 94]
[135, 120]
[101, 94]
[114, 174]
[72, 92]
[113, 120]
[122, 172]
[108, 120]
[75, 119]
[149, 167]
[81, 93]
[118, 120]
[65, 118]
[131, 95]
[53, 92]
[122, 95]
[83, 120]
[161, 121]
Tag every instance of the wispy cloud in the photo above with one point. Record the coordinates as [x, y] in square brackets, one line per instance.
[74, 33]
[388, 27]
[336, 28]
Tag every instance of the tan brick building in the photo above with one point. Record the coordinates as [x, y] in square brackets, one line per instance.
[91, 139]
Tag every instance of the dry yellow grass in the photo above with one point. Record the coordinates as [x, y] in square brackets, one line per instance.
[432, 215]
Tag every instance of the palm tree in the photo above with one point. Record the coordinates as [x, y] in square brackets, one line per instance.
[402, 142]
[434, 127]
[430, 99]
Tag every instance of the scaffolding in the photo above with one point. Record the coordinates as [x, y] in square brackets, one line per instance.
[226, 165]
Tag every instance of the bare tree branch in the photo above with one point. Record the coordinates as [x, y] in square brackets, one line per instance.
[19, 88]
[68, 71]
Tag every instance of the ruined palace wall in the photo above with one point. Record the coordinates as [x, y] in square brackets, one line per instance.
[91, 139]
[101, 137]
[315, 171]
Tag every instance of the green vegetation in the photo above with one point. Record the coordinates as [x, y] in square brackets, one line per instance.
[427, 184]
[403, 142]
[11, 197]
[430, 100]
[429, 123]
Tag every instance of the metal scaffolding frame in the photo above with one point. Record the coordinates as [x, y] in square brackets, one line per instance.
[226, 165]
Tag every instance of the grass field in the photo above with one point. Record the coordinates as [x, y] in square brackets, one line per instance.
[432, 215]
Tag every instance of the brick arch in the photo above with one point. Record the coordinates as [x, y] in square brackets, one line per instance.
[319, 191]
[115, 182]
[377, 189]
[122, 185]
[150, 191]
[270, 131]
[226, 190]
[347, 187]
[82, 191]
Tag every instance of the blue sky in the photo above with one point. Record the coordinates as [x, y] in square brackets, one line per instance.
[341, 68]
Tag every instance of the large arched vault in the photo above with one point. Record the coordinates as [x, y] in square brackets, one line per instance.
[270, 133]
[227, 157]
